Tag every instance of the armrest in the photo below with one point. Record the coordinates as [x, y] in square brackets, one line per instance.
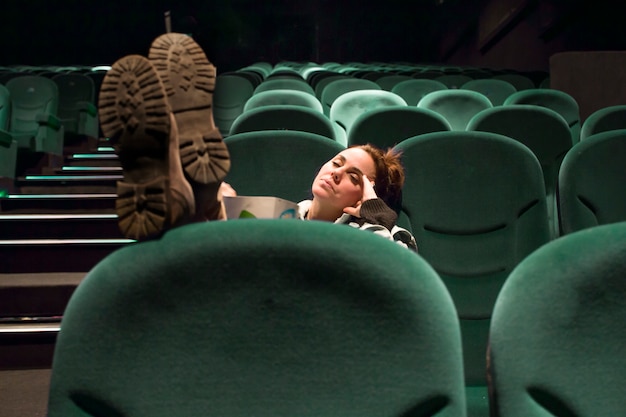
[89, 108]
[6, 139]
[49, 120]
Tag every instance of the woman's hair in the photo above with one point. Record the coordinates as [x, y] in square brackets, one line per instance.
[389, 174]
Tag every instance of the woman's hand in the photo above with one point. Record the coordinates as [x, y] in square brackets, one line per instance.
[368, 194]
[227, 191]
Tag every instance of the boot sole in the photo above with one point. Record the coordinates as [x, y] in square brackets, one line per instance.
[134, 114]
[189, 81]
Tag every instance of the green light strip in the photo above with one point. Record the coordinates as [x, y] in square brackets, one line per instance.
[96, 168]
[93, 156]
[72, 177]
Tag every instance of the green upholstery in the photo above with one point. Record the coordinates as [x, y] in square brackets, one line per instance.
[254, 77]
[283, 117]
[8, 145]
[283, 97]
[592, 182]
[412, 91]
[322, 80]
[337, 87]
[275, 318]
[519, 81]
[34, 122]
[387, 82]
[453, 80]
[557, 100]
[229, 98]
[457, 106]
[557, 336]
[349, 106]
[284, 84]
[543, 130]
[497, 91]
[388, 126]
[476, 205]
[77, 106]
[604, 119]
[277, 163]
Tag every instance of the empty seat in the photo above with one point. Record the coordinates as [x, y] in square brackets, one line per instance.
[288, 117]
[457, 106]
[259, 318]
[349, 106]
[557, 100]
[284, 84]
[453, 80]
[388, 81]
[519, 81]
[543, 130]
[591, 182]
[77, 107]
[497, 91]
[8, 145]
[476, 206]
[229, 99]
[283, 97]
[279, 163]
[34, 123]
[388, 126]
[340, 86]
[412, 91]
[557, 335]
[604, 119]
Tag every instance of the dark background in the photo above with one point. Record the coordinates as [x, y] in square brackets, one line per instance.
[235, 33]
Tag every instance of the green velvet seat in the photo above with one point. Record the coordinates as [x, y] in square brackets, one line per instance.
[388, 126]
[284, 84]
[388, 81]
[497, 91]
[457, 106]
[320, 82]
[557, 335]
[340, 86]
[275, 318]
[34, 122]
[413, 90]
[543, 130]
[232, 91]
[349, 106]
[476, 205]
[557, 100]
[285, 117]
[77, 107]
[592, 181]
[453, 81]
[8, 145]
[519, 81]
[279, 163]
[283, 97]
[604, 119]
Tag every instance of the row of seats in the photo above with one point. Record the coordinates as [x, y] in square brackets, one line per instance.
[245, 322]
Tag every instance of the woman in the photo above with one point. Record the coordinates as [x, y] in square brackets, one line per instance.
[359, 187]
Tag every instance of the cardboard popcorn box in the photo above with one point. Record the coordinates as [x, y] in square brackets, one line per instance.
[259, 207]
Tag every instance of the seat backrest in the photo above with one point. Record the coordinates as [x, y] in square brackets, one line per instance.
[5, 107]
[591, 182]
[283, 97]
[268, 318]
[557, 336]
[284, 84]
[279, 117]
[321, 81]
[604, 119]
[412, 91]
[497, 91]
[340, 86]
[229, 99]
[349, 106]
[476, 205]
[453, 81]
[543, 130]
[519, 81]
[388, 126]
[76, 92]
[31, 95]
[457, 106]
[279, 163]
[557, 100]
[387, 82]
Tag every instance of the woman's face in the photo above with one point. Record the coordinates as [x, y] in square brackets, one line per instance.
[338, 183]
